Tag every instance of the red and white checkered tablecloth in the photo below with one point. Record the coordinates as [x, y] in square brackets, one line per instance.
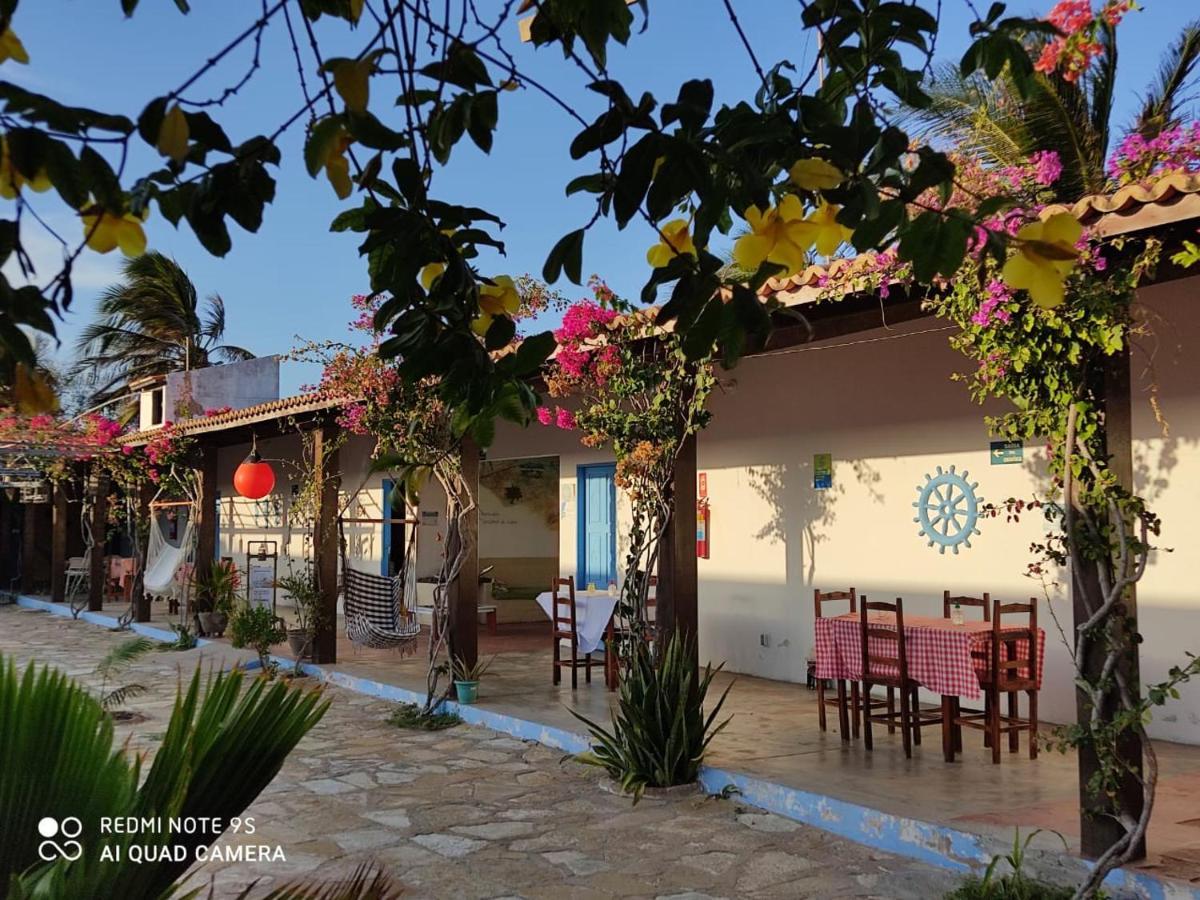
[939, 652]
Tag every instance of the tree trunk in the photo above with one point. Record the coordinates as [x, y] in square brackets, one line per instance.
[1098, 829]
[464, 592]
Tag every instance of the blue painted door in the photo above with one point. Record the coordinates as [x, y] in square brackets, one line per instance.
[597, 526]
[386, 549]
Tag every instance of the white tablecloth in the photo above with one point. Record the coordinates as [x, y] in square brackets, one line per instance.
[592, 612]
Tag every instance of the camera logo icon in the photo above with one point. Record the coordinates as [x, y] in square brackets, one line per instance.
[68, 829]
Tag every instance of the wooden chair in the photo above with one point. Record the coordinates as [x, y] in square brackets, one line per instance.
[984, 603]
[563, 622]
[1010, 671]
[890, 671]
[848, 706]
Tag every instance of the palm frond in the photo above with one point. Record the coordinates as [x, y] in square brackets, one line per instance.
[1101, 87]
[1160, 106]
[977, 117]
[367, 882]
[123, 654]
[120, 696]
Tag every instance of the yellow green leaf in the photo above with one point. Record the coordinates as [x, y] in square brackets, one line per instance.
[173, 135]
[352, 80]
[12, 48]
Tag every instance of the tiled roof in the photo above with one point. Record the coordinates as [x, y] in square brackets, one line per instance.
[273, 409]
[1135, 207]
[1172, 198]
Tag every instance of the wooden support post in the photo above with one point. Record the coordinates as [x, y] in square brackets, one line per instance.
[678, 579]
[98, 485]
[325, 538]
[1099, 831]
[206, 514]
[58, 544]
[139, 601]
[464, 592]
[29, 549]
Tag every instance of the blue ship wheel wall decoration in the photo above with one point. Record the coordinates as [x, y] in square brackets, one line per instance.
[947, 509]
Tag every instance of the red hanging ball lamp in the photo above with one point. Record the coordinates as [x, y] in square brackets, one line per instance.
[254, 479]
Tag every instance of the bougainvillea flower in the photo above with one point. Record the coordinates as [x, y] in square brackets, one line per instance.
[815, 174]
[828, 233]
[1044, 256]
[676, 240]
[500, 297]
[106, 232]
[780, 235]
[11, 180]
[173, 135]
[11, 47]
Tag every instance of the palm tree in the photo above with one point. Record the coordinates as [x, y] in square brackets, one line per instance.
[151, 323]
[990, 122]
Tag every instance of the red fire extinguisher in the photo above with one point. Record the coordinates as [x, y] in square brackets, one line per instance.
[702, 525]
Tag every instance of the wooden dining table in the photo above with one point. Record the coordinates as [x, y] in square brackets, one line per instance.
[943, 657]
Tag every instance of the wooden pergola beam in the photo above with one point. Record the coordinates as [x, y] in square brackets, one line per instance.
[98, 486]
[325, 537]
[206, 514]
[58, 544]
[677, 608]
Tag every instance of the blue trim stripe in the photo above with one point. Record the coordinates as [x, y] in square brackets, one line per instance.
[931, 843]
[95, 618]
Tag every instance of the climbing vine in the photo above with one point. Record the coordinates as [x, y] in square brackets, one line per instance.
[627, 385]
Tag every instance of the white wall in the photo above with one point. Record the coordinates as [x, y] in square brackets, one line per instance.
[884, 405]
[889, 414]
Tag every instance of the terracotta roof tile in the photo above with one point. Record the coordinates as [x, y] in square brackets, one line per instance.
[272, 409]
[1135, 207]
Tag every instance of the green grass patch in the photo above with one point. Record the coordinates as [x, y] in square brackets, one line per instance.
[410, 715]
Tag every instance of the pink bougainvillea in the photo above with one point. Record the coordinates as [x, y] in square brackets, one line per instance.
[1173, 150]
[992, 308]
[544, 415]
[1071, 53]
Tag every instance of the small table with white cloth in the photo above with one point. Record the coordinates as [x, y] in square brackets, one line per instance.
[593, 610]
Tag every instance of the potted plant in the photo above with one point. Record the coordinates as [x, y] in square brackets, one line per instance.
[306, 599]
[259, 628]
[466, 679]
[215, 590]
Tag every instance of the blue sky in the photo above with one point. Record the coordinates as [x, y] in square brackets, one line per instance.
[295, 277]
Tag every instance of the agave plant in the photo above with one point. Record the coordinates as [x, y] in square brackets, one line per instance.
[659, 731]
[225, 742]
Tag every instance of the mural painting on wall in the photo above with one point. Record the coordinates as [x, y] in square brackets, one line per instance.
[947, 509]
[518, 521]
[519, 486]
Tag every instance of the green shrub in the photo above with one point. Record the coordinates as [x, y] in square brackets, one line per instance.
[659, 731]
[1015, 885]
[411, 715]
[259, 628]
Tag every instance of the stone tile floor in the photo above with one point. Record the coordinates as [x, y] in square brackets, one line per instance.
[471, 813]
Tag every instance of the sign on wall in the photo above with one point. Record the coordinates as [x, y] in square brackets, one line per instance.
[822, 471]
[1007, 453]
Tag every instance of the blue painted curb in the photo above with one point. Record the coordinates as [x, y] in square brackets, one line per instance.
[938, 845]
[95, 618]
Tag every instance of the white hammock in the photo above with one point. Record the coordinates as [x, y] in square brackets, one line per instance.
[164, 560]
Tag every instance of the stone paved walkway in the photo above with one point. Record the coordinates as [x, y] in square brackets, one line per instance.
[474, 814]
